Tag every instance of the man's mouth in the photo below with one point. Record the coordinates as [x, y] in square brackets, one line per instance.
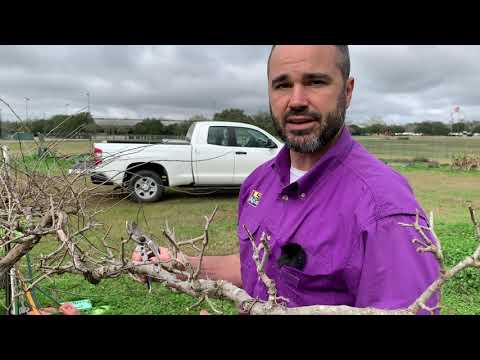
[299, 119]
[299, 122]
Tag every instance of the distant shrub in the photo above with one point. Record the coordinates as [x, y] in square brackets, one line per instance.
[421, 159]
[466, 162]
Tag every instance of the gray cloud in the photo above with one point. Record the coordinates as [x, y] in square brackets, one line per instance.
[398, 83]
[415, 83]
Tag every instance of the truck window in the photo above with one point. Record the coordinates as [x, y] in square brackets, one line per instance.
[250, 138]
[218, 135]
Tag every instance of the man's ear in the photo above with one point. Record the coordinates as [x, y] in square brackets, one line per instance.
[349, 85]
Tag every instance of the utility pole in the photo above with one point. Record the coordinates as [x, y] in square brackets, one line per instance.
[88, 101]
[26, 107]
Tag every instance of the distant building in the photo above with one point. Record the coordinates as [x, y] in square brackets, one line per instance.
[463, 133]
[116, 122]
[408, 134]
[22, 136]
[122, 126]
[119, 122]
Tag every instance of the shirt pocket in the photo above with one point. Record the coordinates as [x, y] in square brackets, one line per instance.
[255, 226]
[304, 289]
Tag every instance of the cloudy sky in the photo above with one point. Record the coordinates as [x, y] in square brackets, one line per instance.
[397, 83]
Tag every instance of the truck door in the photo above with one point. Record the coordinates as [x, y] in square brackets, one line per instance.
[214, 161]
[252, 148]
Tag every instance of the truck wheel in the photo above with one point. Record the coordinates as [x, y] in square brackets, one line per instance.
[146, 186]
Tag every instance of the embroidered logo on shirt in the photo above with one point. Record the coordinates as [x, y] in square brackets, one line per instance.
[254, 198]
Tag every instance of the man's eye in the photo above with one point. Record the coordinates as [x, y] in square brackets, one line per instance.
[317, 82]
[281, 86]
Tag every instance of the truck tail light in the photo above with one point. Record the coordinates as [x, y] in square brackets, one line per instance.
[97, 155]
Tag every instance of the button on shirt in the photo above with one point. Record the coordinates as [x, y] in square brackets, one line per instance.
[344, 213]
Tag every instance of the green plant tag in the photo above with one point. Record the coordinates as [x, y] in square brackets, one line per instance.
[85, 304]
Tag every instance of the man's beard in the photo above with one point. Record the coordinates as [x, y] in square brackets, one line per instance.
[313, 139]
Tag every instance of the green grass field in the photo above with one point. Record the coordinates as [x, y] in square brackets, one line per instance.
[438, 148]
[62, 147]
[440, 190]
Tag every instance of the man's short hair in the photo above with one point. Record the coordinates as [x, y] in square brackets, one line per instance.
[343, 62]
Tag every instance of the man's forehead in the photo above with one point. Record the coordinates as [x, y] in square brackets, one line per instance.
[302, 56]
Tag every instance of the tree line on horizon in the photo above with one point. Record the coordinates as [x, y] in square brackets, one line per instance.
[61, 125]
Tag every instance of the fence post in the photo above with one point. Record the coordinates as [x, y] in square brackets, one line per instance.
[5, 170]
[8, 278]
[11, 285]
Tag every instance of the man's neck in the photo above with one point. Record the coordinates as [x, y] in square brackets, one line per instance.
[306, 161]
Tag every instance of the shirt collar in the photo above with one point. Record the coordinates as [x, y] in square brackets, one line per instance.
[328, 162]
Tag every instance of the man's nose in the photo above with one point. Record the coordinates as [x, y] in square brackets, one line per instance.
[299, 98]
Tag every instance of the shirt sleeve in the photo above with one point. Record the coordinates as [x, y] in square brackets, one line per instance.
[393, 274]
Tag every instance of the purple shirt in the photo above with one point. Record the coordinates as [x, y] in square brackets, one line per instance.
[344, 213]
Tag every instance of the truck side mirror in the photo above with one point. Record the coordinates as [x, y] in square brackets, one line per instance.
[271, 144]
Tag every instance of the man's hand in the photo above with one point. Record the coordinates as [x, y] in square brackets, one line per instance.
[165, 256]
[68, 309]
[64, 309]
[225, 267]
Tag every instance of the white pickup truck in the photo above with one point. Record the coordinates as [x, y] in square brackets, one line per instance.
[214, 154]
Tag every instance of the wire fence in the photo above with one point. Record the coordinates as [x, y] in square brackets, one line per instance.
[148, 138]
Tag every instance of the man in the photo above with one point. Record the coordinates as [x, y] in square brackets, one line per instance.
[331, 210]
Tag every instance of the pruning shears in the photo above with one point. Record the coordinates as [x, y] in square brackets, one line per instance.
[147, 247]
[144, 254]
